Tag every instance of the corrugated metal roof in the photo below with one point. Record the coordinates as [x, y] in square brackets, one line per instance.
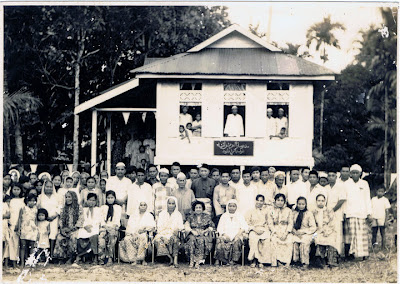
[233, 61]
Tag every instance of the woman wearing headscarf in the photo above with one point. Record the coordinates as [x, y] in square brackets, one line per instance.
[231, 228]
[280, 224]
[64, 174]
[199, 240]
[303, 229]
[71, 220]
[133, 247]
[259, 234]
[15, 175]
[169, 223]
[44, 176]
[49, 200]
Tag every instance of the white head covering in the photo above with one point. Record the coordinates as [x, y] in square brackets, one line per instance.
[16, 172]
[120, 164]
[231, 201]
[181, 175]
[44, 174]
[281, 109]
[279, 173]
[44, 184]
[269, 109]
[176, 203]
[234, 107]
[356, 167]
[164, 170]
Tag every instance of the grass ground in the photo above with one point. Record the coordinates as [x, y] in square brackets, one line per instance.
[380, 267]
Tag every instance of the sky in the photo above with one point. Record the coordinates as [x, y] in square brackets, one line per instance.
[290, 22]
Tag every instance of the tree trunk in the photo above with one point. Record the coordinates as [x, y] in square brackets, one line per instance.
[321, 120]
[19, 149]
[386, 148]
[76, 118]
[7, 147]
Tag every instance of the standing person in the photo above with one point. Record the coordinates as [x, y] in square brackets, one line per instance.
[131, 172]
[133, 247]
[325, 237]
[7, 182]
[184, 196]
[234, 124]
[280, 187]
[196, 126]
[222, 194]
[323, 179]
[16, 204]
[150, 145]
[336, 198]
[193, 175]
[199, 227]
[57, 181]
[152, 175]
[235, 181]
[76, 186]
[270, 186]
[91, 188]
[256, 179]
[270, 124]
[175, 170]
[71, 220]
[314, 190]
[259, 234]
[141, 155]
[203, 188]
[110, 223]
[140, 190]
[280, 224]
[43, 241]
[246, 194]
[169, 224]
[296, 188]
[27, 225]
[216, 175]
[380, 215]
[303, 229]
[281, 121]
[88, 236]
[33, 178]
[358, 210]
[50, 201]
[64, 175]
[231, 228]
[185, 117]
[344, 174]
[161, 191]
[305, 172]
[120, 185]
[6, 229]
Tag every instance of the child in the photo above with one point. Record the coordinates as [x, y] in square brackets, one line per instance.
[43, 230]
[183, 133]
[88, 236]
[110, 223]
[189, 129]
[33, 191]
[91, 188]
[282, 134]
[16, 204]
[325, 239]
[6, 229]
[28, 227]
[49, 200]
[57, 182]
[68, 186]
[303, 229]
[7, 182]
[380, 214]
[103, 186]
[196, 126]
[38, 185]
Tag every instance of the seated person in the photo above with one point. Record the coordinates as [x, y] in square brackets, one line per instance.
[183, 134]
[282, 134]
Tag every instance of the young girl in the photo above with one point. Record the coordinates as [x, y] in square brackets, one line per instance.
[28, 227]
[71, 220]
[303, 229]
[6, 229]
[103, 186]
[32, 191]
[57, 182]
[16, 204]
[110, 223]
[49, 200]
[326, 237]
[380, 214]
[64, 175]
[76, 177]
[88, 236]
[38, 185]
[43, 230]
[196, 126]
[91, 188]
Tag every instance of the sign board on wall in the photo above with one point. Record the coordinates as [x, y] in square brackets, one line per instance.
[233, 148]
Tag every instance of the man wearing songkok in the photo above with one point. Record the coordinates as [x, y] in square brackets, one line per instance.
[296, 188]
[358, 210]
[184, 196]
[314, 190]
[161, 191]
[120, 185]
[234, 124]
[140, 190]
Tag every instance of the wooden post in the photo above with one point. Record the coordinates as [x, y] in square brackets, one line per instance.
[93, 160]
[109, 145]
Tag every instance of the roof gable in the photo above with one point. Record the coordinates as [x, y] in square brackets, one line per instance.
[231, 38]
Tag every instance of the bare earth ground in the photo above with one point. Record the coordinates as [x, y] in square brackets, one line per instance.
[380, 267]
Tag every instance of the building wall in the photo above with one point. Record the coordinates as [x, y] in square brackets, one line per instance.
[295, 150]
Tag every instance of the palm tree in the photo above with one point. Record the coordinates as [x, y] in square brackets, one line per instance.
[322, 34]
[13, 104]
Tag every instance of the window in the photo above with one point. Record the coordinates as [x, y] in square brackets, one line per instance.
[190, 86]
[277, 120]
[277, 86]
[190, 109]
[235, 87]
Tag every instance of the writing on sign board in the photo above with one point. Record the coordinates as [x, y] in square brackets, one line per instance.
[233, 148]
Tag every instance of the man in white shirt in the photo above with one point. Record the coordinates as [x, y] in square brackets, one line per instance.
[270, 124]
[234, 124]
[281, 121]
[305, 173]
[235, 181]
[140, 190]
[184, 117]
[314, 190]
[358, 211]
[246, 194]
[296, 188]
[175, 170]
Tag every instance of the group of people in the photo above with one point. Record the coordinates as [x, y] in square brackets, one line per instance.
[187, 126]
[73, 217]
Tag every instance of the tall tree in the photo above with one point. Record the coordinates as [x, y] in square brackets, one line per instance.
[322, 34]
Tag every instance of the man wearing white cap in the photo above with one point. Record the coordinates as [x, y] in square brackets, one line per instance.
[281, 121]
[120, 185]
[234, 124]
[184, 195]
[323, 179]
[270, 124]
[161, 191]
[358, 210]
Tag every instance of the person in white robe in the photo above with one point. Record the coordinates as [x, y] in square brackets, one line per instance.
[281, 122]
[270, 124]
[234, 124]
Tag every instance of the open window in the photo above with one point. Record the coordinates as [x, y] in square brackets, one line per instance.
[234, 109]
[190, 114]
[277, 120]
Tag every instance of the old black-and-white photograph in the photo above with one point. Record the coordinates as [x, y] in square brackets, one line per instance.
[213, 142]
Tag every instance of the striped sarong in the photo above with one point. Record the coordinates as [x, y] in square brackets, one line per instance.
[358, 234]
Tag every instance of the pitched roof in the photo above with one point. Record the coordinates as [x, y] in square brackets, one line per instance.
[233, 61]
